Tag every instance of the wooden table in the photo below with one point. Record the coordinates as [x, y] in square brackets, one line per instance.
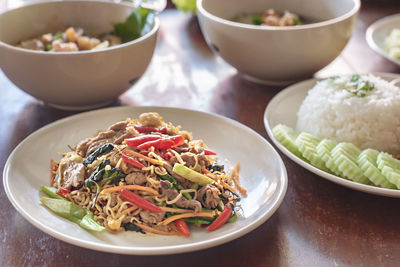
[318, 224]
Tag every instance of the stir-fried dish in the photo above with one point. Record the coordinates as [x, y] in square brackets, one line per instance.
[73, 39]
[270, 17]
[70, 40]
[144, 175]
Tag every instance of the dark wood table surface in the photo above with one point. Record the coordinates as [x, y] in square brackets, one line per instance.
[318, 224]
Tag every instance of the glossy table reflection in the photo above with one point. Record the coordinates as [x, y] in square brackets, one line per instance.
[318, 224]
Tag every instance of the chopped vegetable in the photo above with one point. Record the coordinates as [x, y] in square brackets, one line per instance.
[98, 152]
[135, 141]
[132, 227]
[139, 201]
[257, 20]
[72, 212]
[209, 152]
[63, 192]
[50, 191]
[113, 176]
[235, 178]
[192, 175]
[132, 162]
[97, 175]
[155, 231]
[221, 219]
[136, 25]
[182, 227]
[187, 215]
[136, 154]
[157, 144]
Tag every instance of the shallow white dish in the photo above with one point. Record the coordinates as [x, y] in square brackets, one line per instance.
[377, 33]
[264, 177]
[282, 109]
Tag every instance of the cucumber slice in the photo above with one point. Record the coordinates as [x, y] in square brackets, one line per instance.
[287, 136]
[324, 149]
[307, 145]
[345, 156]
[389, 167]
[367, 162]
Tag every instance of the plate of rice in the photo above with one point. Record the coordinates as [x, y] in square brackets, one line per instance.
[345, 129]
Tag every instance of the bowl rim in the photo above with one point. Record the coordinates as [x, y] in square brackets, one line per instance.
[153, 31]
[348, 14]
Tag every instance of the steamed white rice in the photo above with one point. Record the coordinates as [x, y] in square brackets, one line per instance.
[372, 121]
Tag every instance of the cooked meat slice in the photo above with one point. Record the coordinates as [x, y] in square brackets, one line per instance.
[33, 44]
[59, 46]
[135, 178]
[115, 134]
[152, 119]
[208, 195]
[119, 126]
[72, 174]
[82, 147]
[189, 159]
[204, 160]
[182, 202]
[151, 217]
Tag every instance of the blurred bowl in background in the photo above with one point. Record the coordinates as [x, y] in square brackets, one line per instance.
[277, 54]
[73, 80]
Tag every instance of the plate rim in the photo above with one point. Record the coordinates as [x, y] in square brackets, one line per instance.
[373, 28]
[330, 177]
[157, 250]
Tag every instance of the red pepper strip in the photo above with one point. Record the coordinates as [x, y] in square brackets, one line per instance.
[182, 227]
[139, 201]
[135, 141]
[63, 192]
[158, 144]
[163, 130]
[178, 140]
[146, 129]
[221, 219]
[209, 152]
[131, 161]
[167, 155]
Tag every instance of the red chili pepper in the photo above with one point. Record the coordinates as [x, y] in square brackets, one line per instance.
[139, 201]
[135, 141]
[178, 140]
[209, 152]
[158, 144]
[131, 161]
[63, 192]
[163, 130]
[182, 227]
[146, 129]
[221, 219]
[167, 155]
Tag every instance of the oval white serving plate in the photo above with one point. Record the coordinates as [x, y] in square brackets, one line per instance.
[262, 173]
[282, 109]
[377, 33]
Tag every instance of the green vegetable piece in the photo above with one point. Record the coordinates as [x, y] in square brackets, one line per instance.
[48, 47]
[132, 227]
[72, 212]
[197, 220]
[98, 152]
[50, 191]
[58, 35]
[233, 218]
[257, 20]
[185, 5]
[89, 223]
[191, 175]
[113, 176]
[139, 22]
[297, 20]
[97, 175]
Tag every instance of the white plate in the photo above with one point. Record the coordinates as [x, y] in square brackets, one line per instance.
[377, 33]
[262, 173]
[282, 109]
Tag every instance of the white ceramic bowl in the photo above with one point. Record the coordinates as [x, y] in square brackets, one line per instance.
[72, 80]
[278, 55]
